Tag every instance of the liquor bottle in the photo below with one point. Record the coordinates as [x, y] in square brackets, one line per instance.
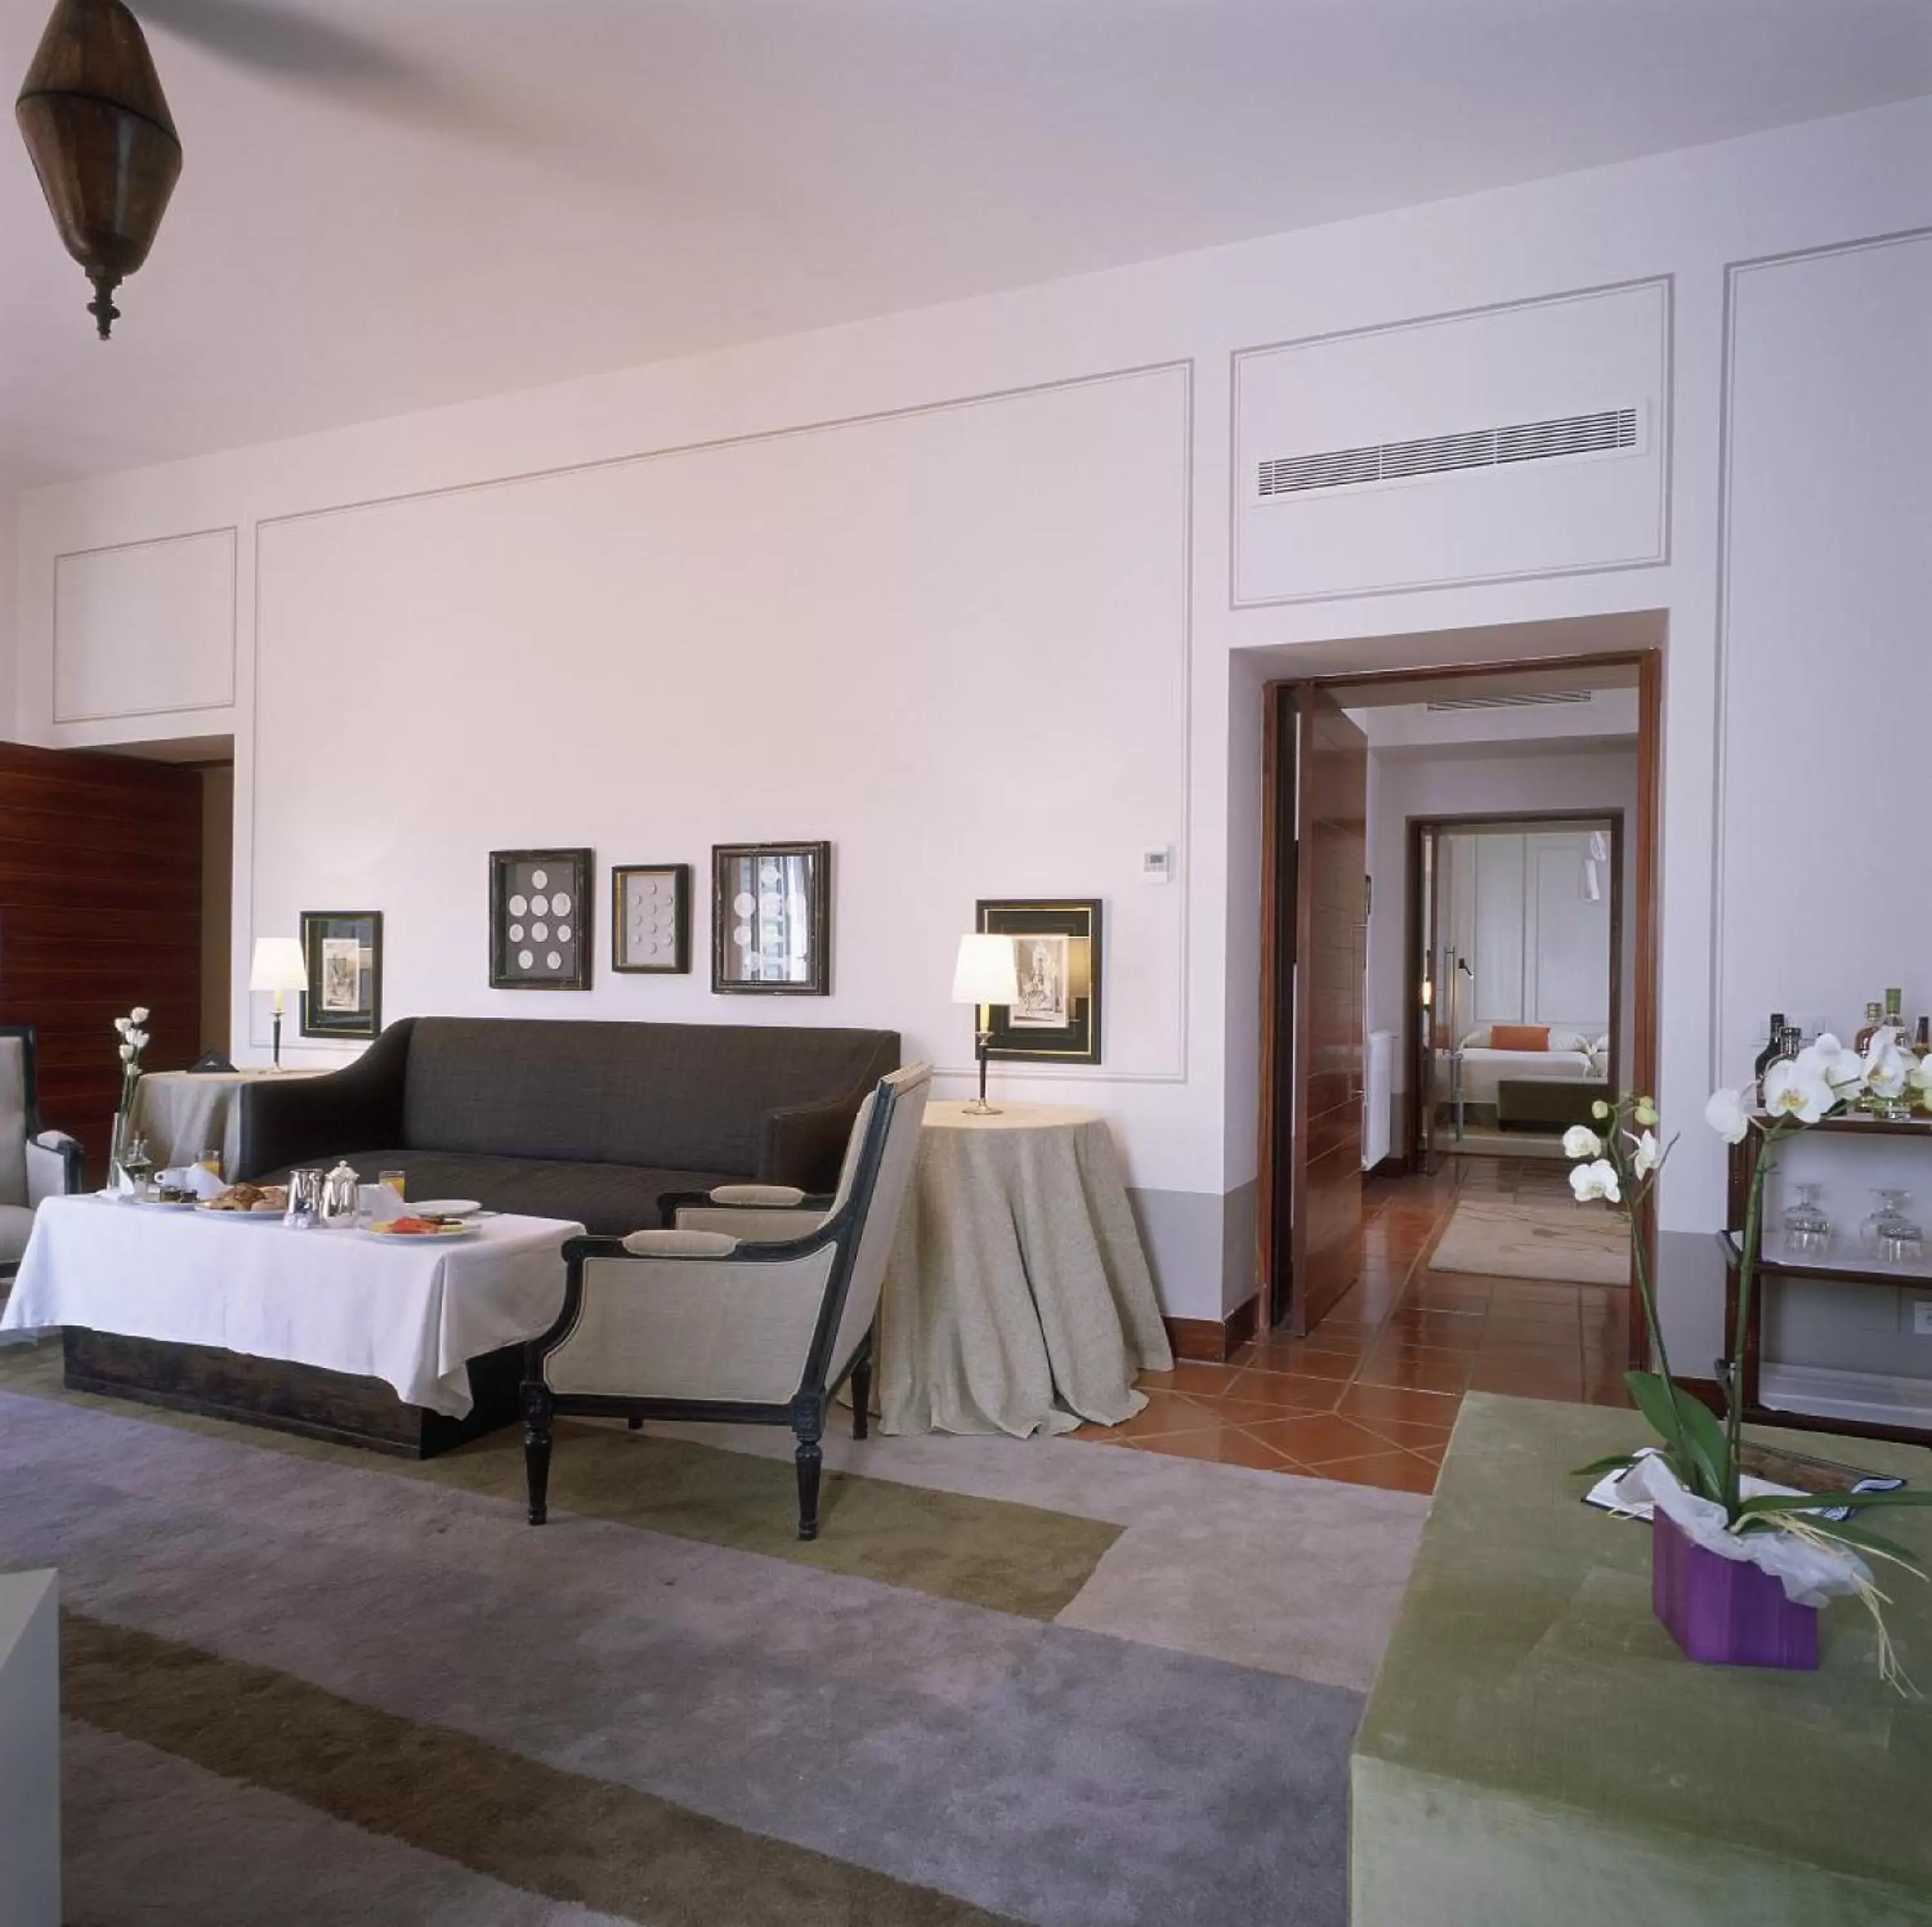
[1790, 1042]
[1769, 1055]
[1874, 1017]
[1922, 1044]
[1895, 1015]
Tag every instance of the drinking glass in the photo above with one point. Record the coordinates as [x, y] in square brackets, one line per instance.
[1807, 1231]
[1894, 1239]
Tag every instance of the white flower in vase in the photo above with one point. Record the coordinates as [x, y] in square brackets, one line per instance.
[1726, 1115]
[140, 1014]
[1841, 1068]
[1580, 1141]
[1648, 1154]
[127, 1053]
[123, 1025]
[1597, 1180]
[1793, 1091]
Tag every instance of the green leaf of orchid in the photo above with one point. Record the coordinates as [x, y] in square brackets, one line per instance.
[1675, 1413]
[1778, 1502]
[1618, 1462]
[1865, 1540]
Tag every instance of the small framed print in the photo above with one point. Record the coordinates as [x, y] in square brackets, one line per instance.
[1056, 959]
[771, 919]
[650, 917]
[343, 949]
[540, 919]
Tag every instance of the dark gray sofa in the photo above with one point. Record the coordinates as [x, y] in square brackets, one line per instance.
[589, 1122]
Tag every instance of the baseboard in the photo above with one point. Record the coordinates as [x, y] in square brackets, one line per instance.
[1394, 1166]
[1867, 1398]
[1212, 1341]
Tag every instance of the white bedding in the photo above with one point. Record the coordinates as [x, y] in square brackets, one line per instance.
[1484, 1070]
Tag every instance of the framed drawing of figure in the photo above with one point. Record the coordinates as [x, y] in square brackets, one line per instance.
[1056, 959]
[343, 949]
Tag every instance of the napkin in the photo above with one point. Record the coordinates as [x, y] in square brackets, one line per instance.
[195, 1178]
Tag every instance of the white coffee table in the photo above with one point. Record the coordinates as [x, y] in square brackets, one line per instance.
[328, 1332]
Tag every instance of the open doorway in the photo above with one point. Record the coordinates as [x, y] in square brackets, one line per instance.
[1544, 771]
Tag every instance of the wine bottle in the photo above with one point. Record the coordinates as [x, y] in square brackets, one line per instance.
[1922, 1044]
[1874, 1017]
[1894, 1014]
[1769, 1055]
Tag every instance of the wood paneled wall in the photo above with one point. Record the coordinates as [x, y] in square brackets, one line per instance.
[101, 862]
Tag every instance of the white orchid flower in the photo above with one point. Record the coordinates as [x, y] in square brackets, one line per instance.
[127, 1053]
[1840, 1068]
[1580, 1141]
[1790, 1092]
[1886, 1067]
[138, 1038]
[1647, 1155]
[1595, 1181]
[1727, 1115]
[140, 1013]
[122, 1025]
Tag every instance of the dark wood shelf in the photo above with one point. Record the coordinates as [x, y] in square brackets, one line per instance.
[1896, 1276]
[1757, 1413]
[1862, 1126]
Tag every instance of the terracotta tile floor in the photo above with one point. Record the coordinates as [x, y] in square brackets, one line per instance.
[1370, 1394]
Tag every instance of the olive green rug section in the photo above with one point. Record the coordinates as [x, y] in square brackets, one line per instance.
[610, 1847]
[1505, 1237]
[1008, 1558]
[1533, 1724]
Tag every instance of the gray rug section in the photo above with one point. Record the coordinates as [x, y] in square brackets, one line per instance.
[1060, 1776]
[136, 1818]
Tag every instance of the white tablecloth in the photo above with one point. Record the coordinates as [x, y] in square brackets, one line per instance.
[1018, 1296]
[182, 1113]
[413, 1316]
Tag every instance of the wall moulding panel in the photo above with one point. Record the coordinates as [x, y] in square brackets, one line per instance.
[924, 635]
[1329, 399]
[144, 628]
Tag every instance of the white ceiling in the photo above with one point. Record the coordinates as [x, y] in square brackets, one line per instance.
[390, 205]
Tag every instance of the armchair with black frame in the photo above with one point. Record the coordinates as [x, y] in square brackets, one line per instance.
[754, 1305]
[35, 1163]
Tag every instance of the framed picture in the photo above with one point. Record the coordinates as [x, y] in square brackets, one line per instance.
[540, 919]
[343, 949]
[771, 919]
[1056, 959]
[650, 917]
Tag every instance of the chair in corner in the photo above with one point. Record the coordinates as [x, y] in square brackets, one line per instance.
[755, 1305]
[34, 1163]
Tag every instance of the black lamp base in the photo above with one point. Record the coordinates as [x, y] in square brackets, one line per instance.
[978, 1107]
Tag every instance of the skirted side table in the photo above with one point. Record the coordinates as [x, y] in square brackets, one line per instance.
[182, 1113]
[1018, 1297]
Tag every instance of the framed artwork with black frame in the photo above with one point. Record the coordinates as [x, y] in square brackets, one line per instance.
[343, 951]
[1056, 959]
[771, 919]
[540, 919]
[650, 918]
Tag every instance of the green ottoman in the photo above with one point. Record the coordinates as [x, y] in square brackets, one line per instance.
[1536, 1753]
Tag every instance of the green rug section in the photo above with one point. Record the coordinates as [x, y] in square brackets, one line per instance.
[1008, 1558]
[1535, 1739]
[606, 1846]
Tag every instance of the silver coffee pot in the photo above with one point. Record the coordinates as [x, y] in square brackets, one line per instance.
[305, 1189]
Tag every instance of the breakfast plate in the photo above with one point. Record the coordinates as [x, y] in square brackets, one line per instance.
[410, 1229]
[441, 1208]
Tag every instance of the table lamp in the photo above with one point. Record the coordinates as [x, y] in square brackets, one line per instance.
[278, 967]
[984, 975]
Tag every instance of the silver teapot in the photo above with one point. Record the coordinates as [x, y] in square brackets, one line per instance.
[341, 1196]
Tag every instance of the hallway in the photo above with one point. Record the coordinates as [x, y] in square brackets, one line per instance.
[1369, 1396]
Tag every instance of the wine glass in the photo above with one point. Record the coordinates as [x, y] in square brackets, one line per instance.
[1807, 1231]
[1894, 1239]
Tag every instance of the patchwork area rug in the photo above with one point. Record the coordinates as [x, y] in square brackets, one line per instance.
[1045, 1681]
[1555, 1238]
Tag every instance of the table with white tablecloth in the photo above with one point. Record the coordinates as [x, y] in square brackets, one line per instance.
[1018, 1297]
[410, 1314]
[183, 1113]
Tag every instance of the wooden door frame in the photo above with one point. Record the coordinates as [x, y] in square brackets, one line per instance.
[1529, 821]
[1277, 1067]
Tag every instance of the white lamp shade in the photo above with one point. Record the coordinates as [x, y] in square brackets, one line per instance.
[277, 965]
[985, 973]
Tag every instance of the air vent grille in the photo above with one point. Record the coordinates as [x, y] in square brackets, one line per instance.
[1610, 430]
[1526, 701]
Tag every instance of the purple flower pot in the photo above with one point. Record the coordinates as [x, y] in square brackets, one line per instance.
[1724, 1612]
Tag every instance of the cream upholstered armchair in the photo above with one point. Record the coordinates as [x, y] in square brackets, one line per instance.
[34, 1163]
[755, 1305]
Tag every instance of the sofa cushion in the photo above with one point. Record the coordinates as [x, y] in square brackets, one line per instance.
[679, 1097]
[608, 1200]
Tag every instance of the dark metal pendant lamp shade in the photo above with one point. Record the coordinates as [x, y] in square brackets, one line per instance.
[103, 142]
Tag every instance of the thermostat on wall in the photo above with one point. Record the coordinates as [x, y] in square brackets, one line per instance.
[1157, 864]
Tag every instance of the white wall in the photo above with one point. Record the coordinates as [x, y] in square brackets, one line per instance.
[1152, 743]
[9, 608]
[1476, 781]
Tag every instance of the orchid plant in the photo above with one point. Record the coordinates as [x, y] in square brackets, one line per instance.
[1619, 1162]
[132, 1030]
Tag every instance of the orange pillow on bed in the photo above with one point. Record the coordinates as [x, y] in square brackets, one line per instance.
[1519, 1037]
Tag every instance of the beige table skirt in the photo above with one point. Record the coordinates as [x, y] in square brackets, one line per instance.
[1018, 1297]
[183, 1113]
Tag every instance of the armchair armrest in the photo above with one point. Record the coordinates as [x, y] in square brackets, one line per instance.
[298, 1120]
[54, 1166]
[780, 1195]
[680, 1244]
[751, 1213]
